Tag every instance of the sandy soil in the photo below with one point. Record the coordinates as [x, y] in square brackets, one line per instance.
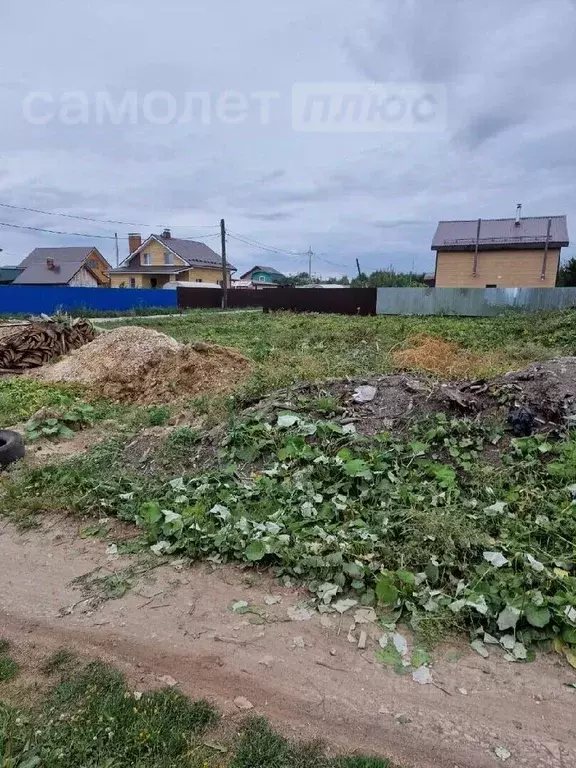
[176, 620]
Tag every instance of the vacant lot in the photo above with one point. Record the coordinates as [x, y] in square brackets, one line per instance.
[395, 511]
[288, 347]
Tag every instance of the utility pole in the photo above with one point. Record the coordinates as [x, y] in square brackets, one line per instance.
[310, 254]
[117, 251]
[358, 268]
[224, 265]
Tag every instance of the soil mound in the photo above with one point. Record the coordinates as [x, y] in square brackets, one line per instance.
[547, 388]
[140, 365]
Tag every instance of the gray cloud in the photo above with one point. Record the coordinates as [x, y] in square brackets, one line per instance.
[272, 216]
[511, 132]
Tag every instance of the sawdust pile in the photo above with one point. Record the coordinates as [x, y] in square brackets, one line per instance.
[444, 358]
[140, 365]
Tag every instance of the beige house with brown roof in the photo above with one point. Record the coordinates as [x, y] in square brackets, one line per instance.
[500, 253]
[162, 259]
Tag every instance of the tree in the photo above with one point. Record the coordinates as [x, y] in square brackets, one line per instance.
[387, 278]
[567, 274]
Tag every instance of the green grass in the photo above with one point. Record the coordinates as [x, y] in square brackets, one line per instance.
[91, 718]
[287, 347]
[261, 746]
[83, 312]
[20, 398]
[8, 669]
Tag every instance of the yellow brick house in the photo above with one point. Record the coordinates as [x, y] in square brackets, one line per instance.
[162, 259]
[500, 253]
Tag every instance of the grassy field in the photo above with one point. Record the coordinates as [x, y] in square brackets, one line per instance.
[449, 526]
[287, 347]
[89, 717]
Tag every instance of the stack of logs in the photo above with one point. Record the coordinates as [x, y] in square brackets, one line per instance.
[38, 343]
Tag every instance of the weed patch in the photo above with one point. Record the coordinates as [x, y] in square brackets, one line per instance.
[91, 718]
[8, 668]
[20, 398]
[424, 526]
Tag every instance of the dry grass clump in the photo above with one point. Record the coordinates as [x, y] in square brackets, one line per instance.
[445, 358]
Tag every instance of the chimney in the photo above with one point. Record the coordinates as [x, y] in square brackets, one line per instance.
[518, 214]
[50, 264]
[134, 241]
[166, 234]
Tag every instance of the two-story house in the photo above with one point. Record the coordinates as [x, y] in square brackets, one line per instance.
[80, 267]
[500, 253]
[162, 259]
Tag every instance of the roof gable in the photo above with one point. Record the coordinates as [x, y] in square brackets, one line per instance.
[261, 268]
[195, 254]
[192, 253]
[531, 232]
[61, 255]
[61, 274]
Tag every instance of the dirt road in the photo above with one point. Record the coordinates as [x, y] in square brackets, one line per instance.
[307, 678]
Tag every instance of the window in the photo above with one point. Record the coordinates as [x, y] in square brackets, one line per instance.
[146, 259]
[168, 258]
[93, 263]
[491, 286]
[261, 278]
[132, 282]
[199, 280]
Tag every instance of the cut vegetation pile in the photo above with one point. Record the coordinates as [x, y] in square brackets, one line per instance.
[444, 358]
[138, 365]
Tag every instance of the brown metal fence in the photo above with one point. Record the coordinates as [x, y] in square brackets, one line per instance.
[342, 301]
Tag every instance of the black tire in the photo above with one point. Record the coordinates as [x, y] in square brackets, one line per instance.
[11, 447]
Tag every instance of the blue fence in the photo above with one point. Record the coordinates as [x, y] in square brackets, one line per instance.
[34, 299]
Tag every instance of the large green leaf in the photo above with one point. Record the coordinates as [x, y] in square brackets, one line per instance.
[255, 551]
[150, 513]
[386, 592]
[537, 616]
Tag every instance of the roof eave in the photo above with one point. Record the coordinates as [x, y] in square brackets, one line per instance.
[540, 246]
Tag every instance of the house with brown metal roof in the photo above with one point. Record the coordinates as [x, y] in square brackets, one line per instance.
[162, 259]
[500, 253]
[83, 267]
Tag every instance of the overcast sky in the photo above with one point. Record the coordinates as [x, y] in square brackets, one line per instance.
[508, 70]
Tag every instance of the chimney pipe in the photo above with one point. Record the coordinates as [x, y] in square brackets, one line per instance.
[50, 263]
[166, 234]
[518, 214]
[134, 241]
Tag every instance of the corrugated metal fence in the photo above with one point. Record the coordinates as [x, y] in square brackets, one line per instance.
[471, 302]
[34, 299]
[343, 301]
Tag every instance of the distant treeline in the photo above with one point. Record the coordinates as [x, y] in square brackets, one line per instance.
[382, 278]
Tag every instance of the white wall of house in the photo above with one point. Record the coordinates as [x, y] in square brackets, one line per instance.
[83, 279]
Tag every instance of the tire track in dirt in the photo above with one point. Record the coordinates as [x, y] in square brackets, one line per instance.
[176, 621]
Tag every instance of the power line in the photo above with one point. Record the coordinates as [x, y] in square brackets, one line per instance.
[332, 263]
[88, 235]
[57, 232]
[270, 249]
[103, 221]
